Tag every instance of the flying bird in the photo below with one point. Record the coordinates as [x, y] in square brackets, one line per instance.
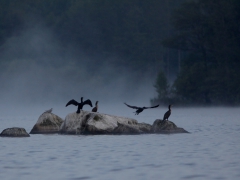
[80, 105]
[140, 109]
[168, 113]
[96, 107]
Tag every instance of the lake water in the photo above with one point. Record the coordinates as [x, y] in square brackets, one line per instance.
[210, 151]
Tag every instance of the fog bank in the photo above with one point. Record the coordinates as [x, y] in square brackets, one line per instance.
[37, 71]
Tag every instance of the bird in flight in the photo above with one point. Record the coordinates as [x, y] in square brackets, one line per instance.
[80, 105]
[140, 109]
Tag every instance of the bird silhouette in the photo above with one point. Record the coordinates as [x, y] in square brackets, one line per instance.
[139, 109]
[48, 111]
[96, 107]
[168, 113]
[80, 105]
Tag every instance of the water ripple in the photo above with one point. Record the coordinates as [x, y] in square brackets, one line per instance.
[194, 176]
[80, 178]
[211, 151]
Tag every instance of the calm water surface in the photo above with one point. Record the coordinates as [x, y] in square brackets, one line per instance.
[210, 151]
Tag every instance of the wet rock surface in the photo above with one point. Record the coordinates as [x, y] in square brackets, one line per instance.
[166, 127]
[47, 123]
[145, 128]
[87, 122]
[127, 129]
[97, 123]
[74, 123]
[14, 132]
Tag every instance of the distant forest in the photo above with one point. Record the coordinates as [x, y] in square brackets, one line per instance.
[189, 47]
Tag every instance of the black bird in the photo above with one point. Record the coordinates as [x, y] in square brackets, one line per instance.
[168, 113]
[80, 105]
[96, 107]
[140, 109]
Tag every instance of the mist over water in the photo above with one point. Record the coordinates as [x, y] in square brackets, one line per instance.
[36, 70]
[38, 74]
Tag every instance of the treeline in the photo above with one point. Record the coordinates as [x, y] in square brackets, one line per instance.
[131, 30]
[196, 41]
[209, 32]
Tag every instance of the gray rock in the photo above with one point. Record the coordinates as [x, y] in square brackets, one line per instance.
[14, 132]
[136, 128]
[100, 124]
[47, 123]
[74, 123]
[166, 127]
[97, 123]
[145, 128]
[127, 129]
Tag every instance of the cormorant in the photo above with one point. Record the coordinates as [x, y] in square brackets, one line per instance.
[80, 105]
[168, 113]
[140, 109]
[96, 107]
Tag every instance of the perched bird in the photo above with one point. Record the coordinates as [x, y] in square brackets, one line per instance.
[140, 109]
[96, 107]
[80, 105]
[48, 111]
[168, 113]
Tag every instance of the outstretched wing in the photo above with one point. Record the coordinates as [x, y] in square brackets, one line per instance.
[89, 102]
[152, 107]
[134, 107]
[72, 102]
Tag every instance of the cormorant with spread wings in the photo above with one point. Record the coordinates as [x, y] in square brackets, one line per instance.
[140, 109]
[80, 105]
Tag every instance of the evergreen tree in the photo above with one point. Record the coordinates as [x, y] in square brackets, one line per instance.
[209, 32]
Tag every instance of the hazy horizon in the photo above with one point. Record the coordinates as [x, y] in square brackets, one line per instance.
[37, 71]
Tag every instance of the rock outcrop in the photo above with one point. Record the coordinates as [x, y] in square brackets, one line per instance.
[123, 128]
[146, 128]
[96, 123]
[47, 123]
[166, 127]
[138, 128]
[74, 123]
[14, 132]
